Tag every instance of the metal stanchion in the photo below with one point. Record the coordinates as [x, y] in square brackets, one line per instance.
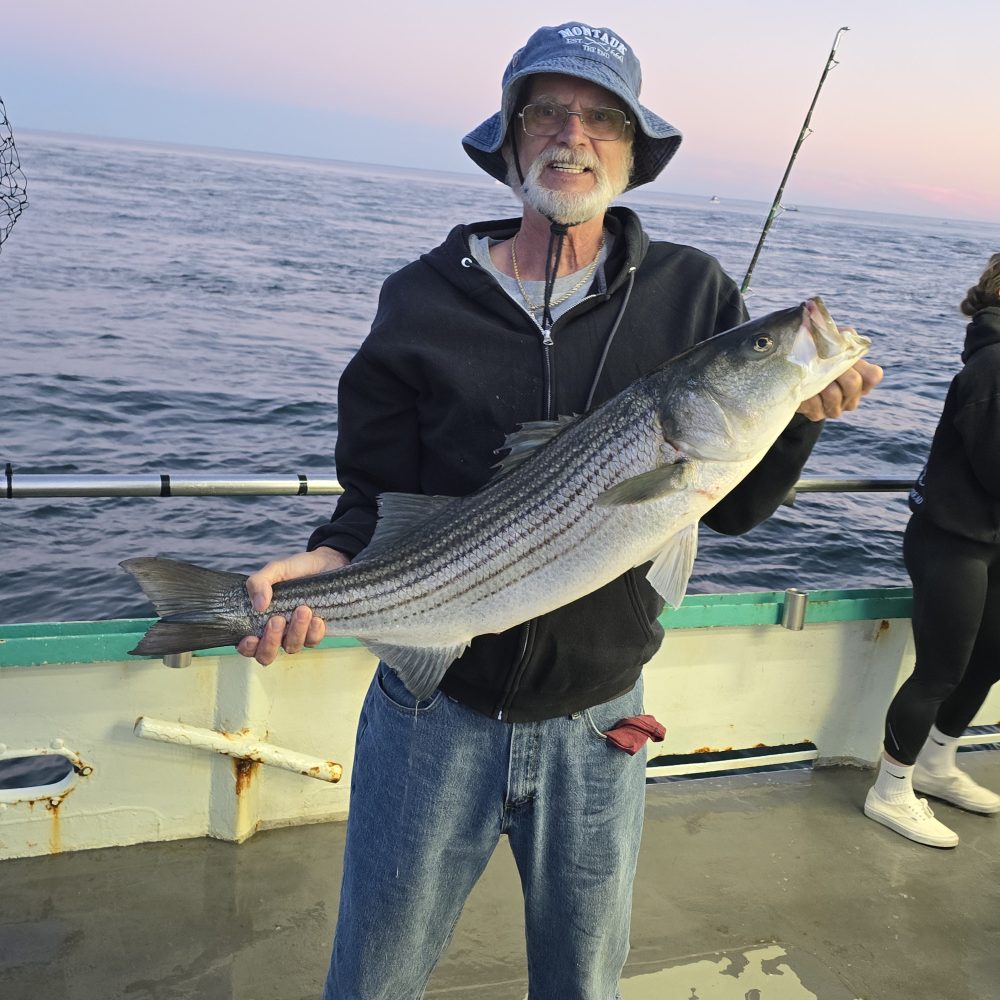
[793, 611]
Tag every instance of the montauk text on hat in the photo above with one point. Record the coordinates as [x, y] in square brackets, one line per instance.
[577, 32]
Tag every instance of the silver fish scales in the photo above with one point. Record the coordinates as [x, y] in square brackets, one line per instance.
[575, 504]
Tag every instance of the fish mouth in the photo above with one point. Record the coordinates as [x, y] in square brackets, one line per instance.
[829, 340]
[821, 347]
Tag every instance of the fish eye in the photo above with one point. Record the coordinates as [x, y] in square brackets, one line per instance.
[762, 342]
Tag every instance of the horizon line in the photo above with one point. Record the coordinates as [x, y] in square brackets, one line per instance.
[471, 174]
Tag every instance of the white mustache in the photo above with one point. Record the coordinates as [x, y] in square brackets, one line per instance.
[565, 157]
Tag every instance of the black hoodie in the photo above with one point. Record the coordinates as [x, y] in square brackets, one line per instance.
[452, 365]
[959, 487]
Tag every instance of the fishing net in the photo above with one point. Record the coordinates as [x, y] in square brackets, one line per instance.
[13, 187]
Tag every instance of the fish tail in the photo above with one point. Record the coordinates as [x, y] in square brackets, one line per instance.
[196, 606]
[165, 638]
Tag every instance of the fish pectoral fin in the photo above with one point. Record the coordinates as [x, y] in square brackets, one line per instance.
[526, 440]
[652, 485]
[671, 569]
[400, 515]
[420, 668]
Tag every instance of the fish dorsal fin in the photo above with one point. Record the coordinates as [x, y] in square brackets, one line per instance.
[671, 569]
[653, 485]
[399, 515]
[526, 440]
[420, 668]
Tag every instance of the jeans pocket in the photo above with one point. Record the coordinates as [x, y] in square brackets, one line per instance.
[396, 695]
[601, 718]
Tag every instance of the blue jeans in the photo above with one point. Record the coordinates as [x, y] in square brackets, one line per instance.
[433, 788]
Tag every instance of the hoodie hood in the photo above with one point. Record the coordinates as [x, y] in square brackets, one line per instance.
[982, 331]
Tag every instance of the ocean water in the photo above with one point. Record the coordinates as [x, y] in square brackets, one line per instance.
[178, 310]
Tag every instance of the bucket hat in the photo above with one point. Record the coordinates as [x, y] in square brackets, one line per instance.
[595, 54]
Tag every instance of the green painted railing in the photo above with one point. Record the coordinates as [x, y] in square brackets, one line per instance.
[96, 641]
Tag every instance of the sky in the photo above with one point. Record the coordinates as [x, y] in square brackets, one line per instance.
[907, 122]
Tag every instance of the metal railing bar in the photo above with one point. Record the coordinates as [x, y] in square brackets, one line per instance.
[165, 485]
[853, 485]
[846, 486]
[28, 485]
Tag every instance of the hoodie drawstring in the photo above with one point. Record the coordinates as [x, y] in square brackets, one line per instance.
[557, 236]
[607, 342]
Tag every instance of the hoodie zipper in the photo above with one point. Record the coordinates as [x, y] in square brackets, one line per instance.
[548, 404]
[548, 377]
[514, 675]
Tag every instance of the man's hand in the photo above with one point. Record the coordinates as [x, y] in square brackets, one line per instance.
[305, 628]
[845, 393]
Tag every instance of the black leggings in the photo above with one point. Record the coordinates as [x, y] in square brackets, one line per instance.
[956, 632]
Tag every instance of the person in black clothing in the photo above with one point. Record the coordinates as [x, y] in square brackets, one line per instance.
[952, 552]
[511, 321]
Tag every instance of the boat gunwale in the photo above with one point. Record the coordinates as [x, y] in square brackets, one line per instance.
[54, 643]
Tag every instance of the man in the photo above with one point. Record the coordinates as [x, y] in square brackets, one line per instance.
[508, 322]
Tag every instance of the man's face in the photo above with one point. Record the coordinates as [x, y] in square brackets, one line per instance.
[570, 176]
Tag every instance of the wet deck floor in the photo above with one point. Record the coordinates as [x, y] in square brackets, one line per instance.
[749, 888]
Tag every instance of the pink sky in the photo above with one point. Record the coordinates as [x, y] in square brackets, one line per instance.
[906, 123]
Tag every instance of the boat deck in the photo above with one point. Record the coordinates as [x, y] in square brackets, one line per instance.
[753, 887]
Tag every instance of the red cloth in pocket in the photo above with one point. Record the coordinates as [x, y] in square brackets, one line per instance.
[632, 733]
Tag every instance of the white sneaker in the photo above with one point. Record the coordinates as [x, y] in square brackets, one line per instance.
[957, 788]
[911, 817]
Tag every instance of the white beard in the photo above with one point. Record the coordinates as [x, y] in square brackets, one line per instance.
[569, 207]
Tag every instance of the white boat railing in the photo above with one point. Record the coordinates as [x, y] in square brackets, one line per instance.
[183, 484]
[847, 486]
[18, 485]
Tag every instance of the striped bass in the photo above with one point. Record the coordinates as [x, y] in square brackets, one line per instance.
[576, 503]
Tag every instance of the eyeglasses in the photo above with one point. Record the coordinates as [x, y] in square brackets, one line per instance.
[550, 119]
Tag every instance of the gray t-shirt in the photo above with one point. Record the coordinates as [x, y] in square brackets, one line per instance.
[479, 247]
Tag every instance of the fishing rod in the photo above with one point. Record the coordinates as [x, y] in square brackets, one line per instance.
[806, 131]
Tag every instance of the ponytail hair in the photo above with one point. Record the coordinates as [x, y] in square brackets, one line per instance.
[987, 292]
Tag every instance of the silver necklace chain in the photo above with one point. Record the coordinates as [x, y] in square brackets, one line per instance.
[588, 274]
